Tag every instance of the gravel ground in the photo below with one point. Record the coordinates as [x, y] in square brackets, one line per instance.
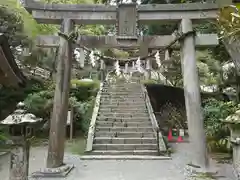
[118, 170]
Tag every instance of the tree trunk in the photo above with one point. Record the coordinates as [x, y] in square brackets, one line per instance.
[60, 107]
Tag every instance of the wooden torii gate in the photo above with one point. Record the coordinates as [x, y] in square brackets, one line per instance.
[126, 17]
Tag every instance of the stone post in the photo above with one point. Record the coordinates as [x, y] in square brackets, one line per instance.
[126, 68]
[233, 122]
[82, 58]
[60, 107]
[148, 68]
[102, 70]
[192, 99]
[143, 53]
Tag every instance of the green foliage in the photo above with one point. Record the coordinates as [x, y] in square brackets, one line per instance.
[9, 97]
[82, 98]
[3, 135]
[229, 22]
[40, 103]
[83, 95]
[12, 26]
[83, 90]
[217, 132]
[83, 115]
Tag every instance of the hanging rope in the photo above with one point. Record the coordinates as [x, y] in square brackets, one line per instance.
[117, 68]
[157, 58]
[179, 37]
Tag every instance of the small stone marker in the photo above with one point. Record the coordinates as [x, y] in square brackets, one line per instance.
[181, 132]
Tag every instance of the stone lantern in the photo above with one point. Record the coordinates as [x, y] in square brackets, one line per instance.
[21, 125]
[233, 122]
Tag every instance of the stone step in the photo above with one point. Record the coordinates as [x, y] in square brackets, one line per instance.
[122, 119]
[125, 114]
[126, 152]
[111, 155]
[136, 115]
[126, 100]
[123, 90]
[120, 124]
[122, 104]
[135, 104]
[122, 98]
[123, 93]
[110, 140]
[118, 91]
[124, 134]
[123, 109]
[124, 122]
[107, 96]
[123, 129]
[123, 101]
[122, 86]
[124, 147]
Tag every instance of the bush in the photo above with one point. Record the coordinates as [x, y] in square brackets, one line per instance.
[40, 103]
[9, 97]
[83, 114]
[217, 132]
[83, 90]
[82, 98]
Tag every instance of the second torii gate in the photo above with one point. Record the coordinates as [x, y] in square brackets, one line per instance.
[126, 17]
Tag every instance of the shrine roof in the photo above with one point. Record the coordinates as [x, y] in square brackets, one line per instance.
[10, 74]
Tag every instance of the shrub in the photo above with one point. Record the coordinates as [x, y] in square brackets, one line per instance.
[40, 103]
[9, 97]
[82, 98]
[217, 132]
[83, 90]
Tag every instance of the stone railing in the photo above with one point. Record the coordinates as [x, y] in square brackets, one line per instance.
[160, 142]
[92, 126]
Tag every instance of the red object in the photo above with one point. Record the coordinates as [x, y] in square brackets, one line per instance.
[170, 137]
[179, 139]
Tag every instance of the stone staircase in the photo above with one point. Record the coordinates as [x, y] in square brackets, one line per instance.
[123, 126]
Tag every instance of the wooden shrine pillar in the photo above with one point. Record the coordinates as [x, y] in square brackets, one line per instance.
[60, 106]
[192, 98]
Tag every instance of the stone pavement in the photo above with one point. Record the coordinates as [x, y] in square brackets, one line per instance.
[117, 170]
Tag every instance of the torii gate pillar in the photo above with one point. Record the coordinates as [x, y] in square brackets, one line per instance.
[60, 108]
[192, 99]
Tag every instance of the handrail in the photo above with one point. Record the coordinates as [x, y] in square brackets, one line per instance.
[160, 142]
[92, 126]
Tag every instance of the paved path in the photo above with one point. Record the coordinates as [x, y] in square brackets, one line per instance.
[117, 170]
